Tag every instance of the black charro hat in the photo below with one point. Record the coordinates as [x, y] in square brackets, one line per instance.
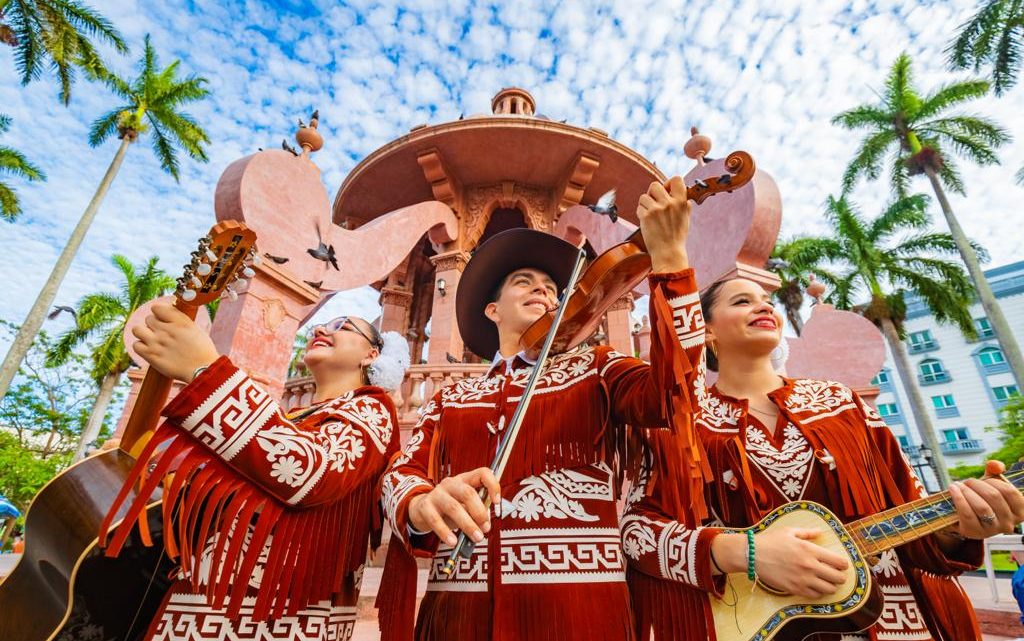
[492, 261]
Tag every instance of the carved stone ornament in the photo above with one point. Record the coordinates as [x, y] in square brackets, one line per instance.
[274, 313]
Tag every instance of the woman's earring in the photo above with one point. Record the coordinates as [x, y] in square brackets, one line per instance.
[714, 348]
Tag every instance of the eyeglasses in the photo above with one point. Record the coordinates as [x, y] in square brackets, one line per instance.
[338, 324]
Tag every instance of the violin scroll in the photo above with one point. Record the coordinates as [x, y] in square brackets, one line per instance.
[741, 169]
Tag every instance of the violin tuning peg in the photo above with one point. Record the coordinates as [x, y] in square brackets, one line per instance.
[700, 183]
[188, 295]
[203, 269]
[248, 272]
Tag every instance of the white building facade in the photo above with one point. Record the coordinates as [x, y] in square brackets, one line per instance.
[963, 382]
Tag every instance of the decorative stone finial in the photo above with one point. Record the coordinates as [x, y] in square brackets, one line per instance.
[307, 136]
[815, 288]
[697, 146]
[513, 101]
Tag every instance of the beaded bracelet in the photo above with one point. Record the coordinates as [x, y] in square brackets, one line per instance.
[751, 574]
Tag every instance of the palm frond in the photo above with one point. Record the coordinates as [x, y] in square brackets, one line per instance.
[14, 163]
[907, 213]
[950, 176]
[10, 206]
[104, 126]
[991, 36]
[863, 116]
[867, 161]
[988, 132]
[86, 21]
[1007, 59]
[950, 95]
[973, 42]
[947, 304]
[164, 150]
[899, 84]
[1019, 176]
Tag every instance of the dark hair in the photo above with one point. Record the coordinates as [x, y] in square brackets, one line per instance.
[708, 298]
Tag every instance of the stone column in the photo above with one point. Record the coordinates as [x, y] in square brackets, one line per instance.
[643, 339]
[444, 330]
[394, 305]
[620, 325]
[258, 330]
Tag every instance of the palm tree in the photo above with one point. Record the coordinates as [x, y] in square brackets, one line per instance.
[55, 34]
[295, 366]
[13, 163]
[887, 259]
[793, 260]
[908, 131]
[103, 316]
[152, 103]
[993, 36]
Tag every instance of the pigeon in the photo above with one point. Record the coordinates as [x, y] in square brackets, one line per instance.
[606, 206]
[280, 260]
[776, 263]
[461, 116]
[324, 252]
[314, 284]
[62, 308]
[302, 125]
[287, 147]
[450, 358]
[314, 117]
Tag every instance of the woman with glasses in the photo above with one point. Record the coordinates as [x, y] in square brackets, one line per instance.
[274, 509]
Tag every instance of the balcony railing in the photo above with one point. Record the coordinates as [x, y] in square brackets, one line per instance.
[923, 346]
[964, 446]
[947, 412]
[995, 368]
[934, 379]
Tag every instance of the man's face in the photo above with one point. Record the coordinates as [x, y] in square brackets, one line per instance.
[525, 295]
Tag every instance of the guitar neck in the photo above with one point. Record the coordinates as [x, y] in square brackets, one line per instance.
[152, 397]
[911, 521]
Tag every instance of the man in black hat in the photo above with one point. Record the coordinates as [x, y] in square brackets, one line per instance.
[548, 563]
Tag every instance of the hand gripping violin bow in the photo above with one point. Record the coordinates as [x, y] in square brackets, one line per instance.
[586, 298]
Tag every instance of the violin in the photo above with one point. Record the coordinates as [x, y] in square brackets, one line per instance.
[620, 269]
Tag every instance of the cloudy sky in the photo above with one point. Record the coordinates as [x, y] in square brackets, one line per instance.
[765, 77]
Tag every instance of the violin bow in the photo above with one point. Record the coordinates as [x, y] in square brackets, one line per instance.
[463, 546]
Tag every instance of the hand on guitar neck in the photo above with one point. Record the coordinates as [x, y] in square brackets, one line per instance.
[986, 506]
[172, 343]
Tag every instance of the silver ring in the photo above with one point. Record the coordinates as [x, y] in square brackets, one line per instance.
[987, 519]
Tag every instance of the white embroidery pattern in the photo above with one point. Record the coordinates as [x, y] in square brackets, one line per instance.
[469, 575]
[557, 494]
[345, 445]
[395, 487]
[888, 564]
[561, 555]
[788, 468]
[821, 399]
[413, 446]
[715, 414]
[371, 416]
[901, 618]
[688, 319]
[874, 419]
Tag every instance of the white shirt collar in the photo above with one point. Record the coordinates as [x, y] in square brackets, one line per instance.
[499, 360]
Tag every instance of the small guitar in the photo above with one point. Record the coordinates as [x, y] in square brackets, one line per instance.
[756, 613]
[64, 587]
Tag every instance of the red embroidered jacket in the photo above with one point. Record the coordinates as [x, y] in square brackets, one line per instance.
[273, 516]
[551, 567]
[829, 447]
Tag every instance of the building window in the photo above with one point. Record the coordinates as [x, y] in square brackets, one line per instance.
[904, 441]
[1003, 393]
[930, 372]
[945, 406]
[958, 441]
[888, 409]
[922, 341]
[881, 378]
[991, 356]
[983, 327]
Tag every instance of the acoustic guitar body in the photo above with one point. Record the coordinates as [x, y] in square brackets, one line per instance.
[63, 588]
[750, 612]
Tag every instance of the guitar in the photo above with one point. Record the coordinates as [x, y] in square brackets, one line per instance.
[750, 612]
[63, 587]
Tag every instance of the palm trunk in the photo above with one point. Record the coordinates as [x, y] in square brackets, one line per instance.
[8, 528]
[28, 330]
[99, 410]
[917, 407]
[795, 321]
[993, 311]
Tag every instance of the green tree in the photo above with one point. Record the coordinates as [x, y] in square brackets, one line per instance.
[911, 133]
[100, 320]
[152, 104]
[884, 260]
[55, 34]
[794, 260]
[1011, 429]
[13, 163]
[295, 366]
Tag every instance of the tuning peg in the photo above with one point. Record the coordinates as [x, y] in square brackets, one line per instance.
[188, 295]
[248, 272]
[195, 281]
[231, 294]
[240, 283]
[203, 269]
[210, 256]
[256, 260]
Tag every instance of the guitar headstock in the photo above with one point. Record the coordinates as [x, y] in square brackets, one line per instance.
[741, 169]
[221, 264]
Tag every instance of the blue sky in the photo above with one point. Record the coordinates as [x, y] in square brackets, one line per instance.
[765, 77]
